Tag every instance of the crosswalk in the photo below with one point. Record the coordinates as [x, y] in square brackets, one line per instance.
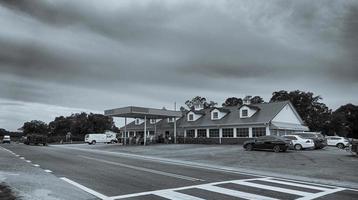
[267, 188]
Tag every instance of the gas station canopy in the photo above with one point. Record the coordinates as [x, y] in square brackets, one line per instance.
[142, 112]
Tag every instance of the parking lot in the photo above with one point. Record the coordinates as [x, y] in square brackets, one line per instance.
[180, 172]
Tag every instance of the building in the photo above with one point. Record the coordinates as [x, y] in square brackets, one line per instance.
[224, 125]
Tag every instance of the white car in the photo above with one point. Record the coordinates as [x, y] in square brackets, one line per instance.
[337, 141]
[300, 143]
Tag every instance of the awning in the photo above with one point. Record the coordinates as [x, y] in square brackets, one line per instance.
[288, 126]
[141, 112]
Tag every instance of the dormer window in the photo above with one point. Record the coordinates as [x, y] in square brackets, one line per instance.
[170, 119]
[215, 115]
[137, 121]
[153, 121]
[190, 117]
[244, 113]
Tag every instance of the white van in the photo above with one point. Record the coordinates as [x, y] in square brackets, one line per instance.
[108, 137]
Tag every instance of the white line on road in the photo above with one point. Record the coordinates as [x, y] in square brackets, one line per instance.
[145, 169]
[176, 195]
[177, 189]
[235, 193]
[277, 189]
[28, 161]
[36, 165]
[321, 194]
[48, 171]
[22, 158]
[94, 193]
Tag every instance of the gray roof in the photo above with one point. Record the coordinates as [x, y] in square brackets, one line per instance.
[266, 112]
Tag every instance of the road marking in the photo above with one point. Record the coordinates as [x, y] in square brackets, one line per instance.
[176, 189]
[277, 189]
[176, 195]
[235, 193]
[22, 158]
[188, 178]
[296, 184]
[215, 187]
[321, 194]
[36, 165]
[48, 171]
[94, 193]
[28, 161]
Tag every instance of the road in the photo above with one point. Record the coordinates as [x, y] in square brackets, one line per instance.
[111, 175]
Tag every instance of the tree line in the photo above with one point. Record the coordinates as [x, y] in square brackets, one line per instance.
[77, 125]
[316, 115]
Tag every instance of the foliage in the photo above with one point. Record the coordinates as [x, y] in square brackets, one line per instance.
[315, 114]
[199, 101]
[257, 100]
[232, 101]
[80, 124]
[35, 127]
[345, 121]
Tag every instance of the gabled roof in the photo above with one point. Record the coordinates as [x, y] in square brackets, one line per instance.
[252, 106]
[198, 112]
[266, 112]
[225, 110]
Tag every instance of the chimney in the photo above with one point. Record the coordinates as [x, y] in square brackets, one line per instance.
[247, 100]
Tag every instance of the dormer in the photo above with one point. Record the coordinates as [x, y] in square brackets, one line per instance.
[194, 115]
[218, 113]
[153, 121]
[247, 111]
[138, 121]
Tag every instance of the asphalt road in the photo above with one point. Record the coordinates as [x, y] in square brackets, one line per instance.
[111, 175]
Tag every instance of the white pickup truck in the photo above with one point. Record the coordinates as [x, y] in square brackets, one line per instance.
[107, 137]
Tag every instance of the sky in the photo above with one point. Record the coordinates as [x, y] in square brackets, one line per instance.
[59, 57]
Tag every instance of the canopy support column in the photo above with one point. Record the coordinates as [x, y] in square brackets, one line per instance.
[145, 130]
[125, 131]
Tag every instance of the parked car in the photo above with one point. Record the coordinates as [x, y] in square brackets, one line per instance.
[319, 141]
[108, 137]
[337, 141]
[274, 143]
[35, 139]
[6, 139]
[299, 143]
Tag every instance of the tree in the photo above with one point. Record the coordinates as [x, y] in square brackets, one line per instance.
[199, 101]
[315, 114]
[80, 124]
[257, 100]
[35, 127]
[345, 121]
[233, 101]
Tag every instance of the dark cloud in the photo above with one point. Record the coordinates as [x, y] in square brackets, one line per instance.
[100, 54]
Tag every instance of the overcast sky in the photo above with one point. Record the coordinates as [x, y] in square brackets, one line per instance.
[65, 56]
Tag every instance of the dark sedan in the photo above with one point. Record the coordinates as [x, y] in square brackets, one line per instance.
[274, 143]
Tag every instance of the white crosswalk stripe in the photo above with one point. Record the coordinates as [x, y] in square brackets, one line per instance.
[264, 184]
[176, 195]
[234, 193]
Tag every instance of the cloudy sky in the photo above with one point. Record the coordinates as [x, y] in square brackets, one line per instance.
[64, 56]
